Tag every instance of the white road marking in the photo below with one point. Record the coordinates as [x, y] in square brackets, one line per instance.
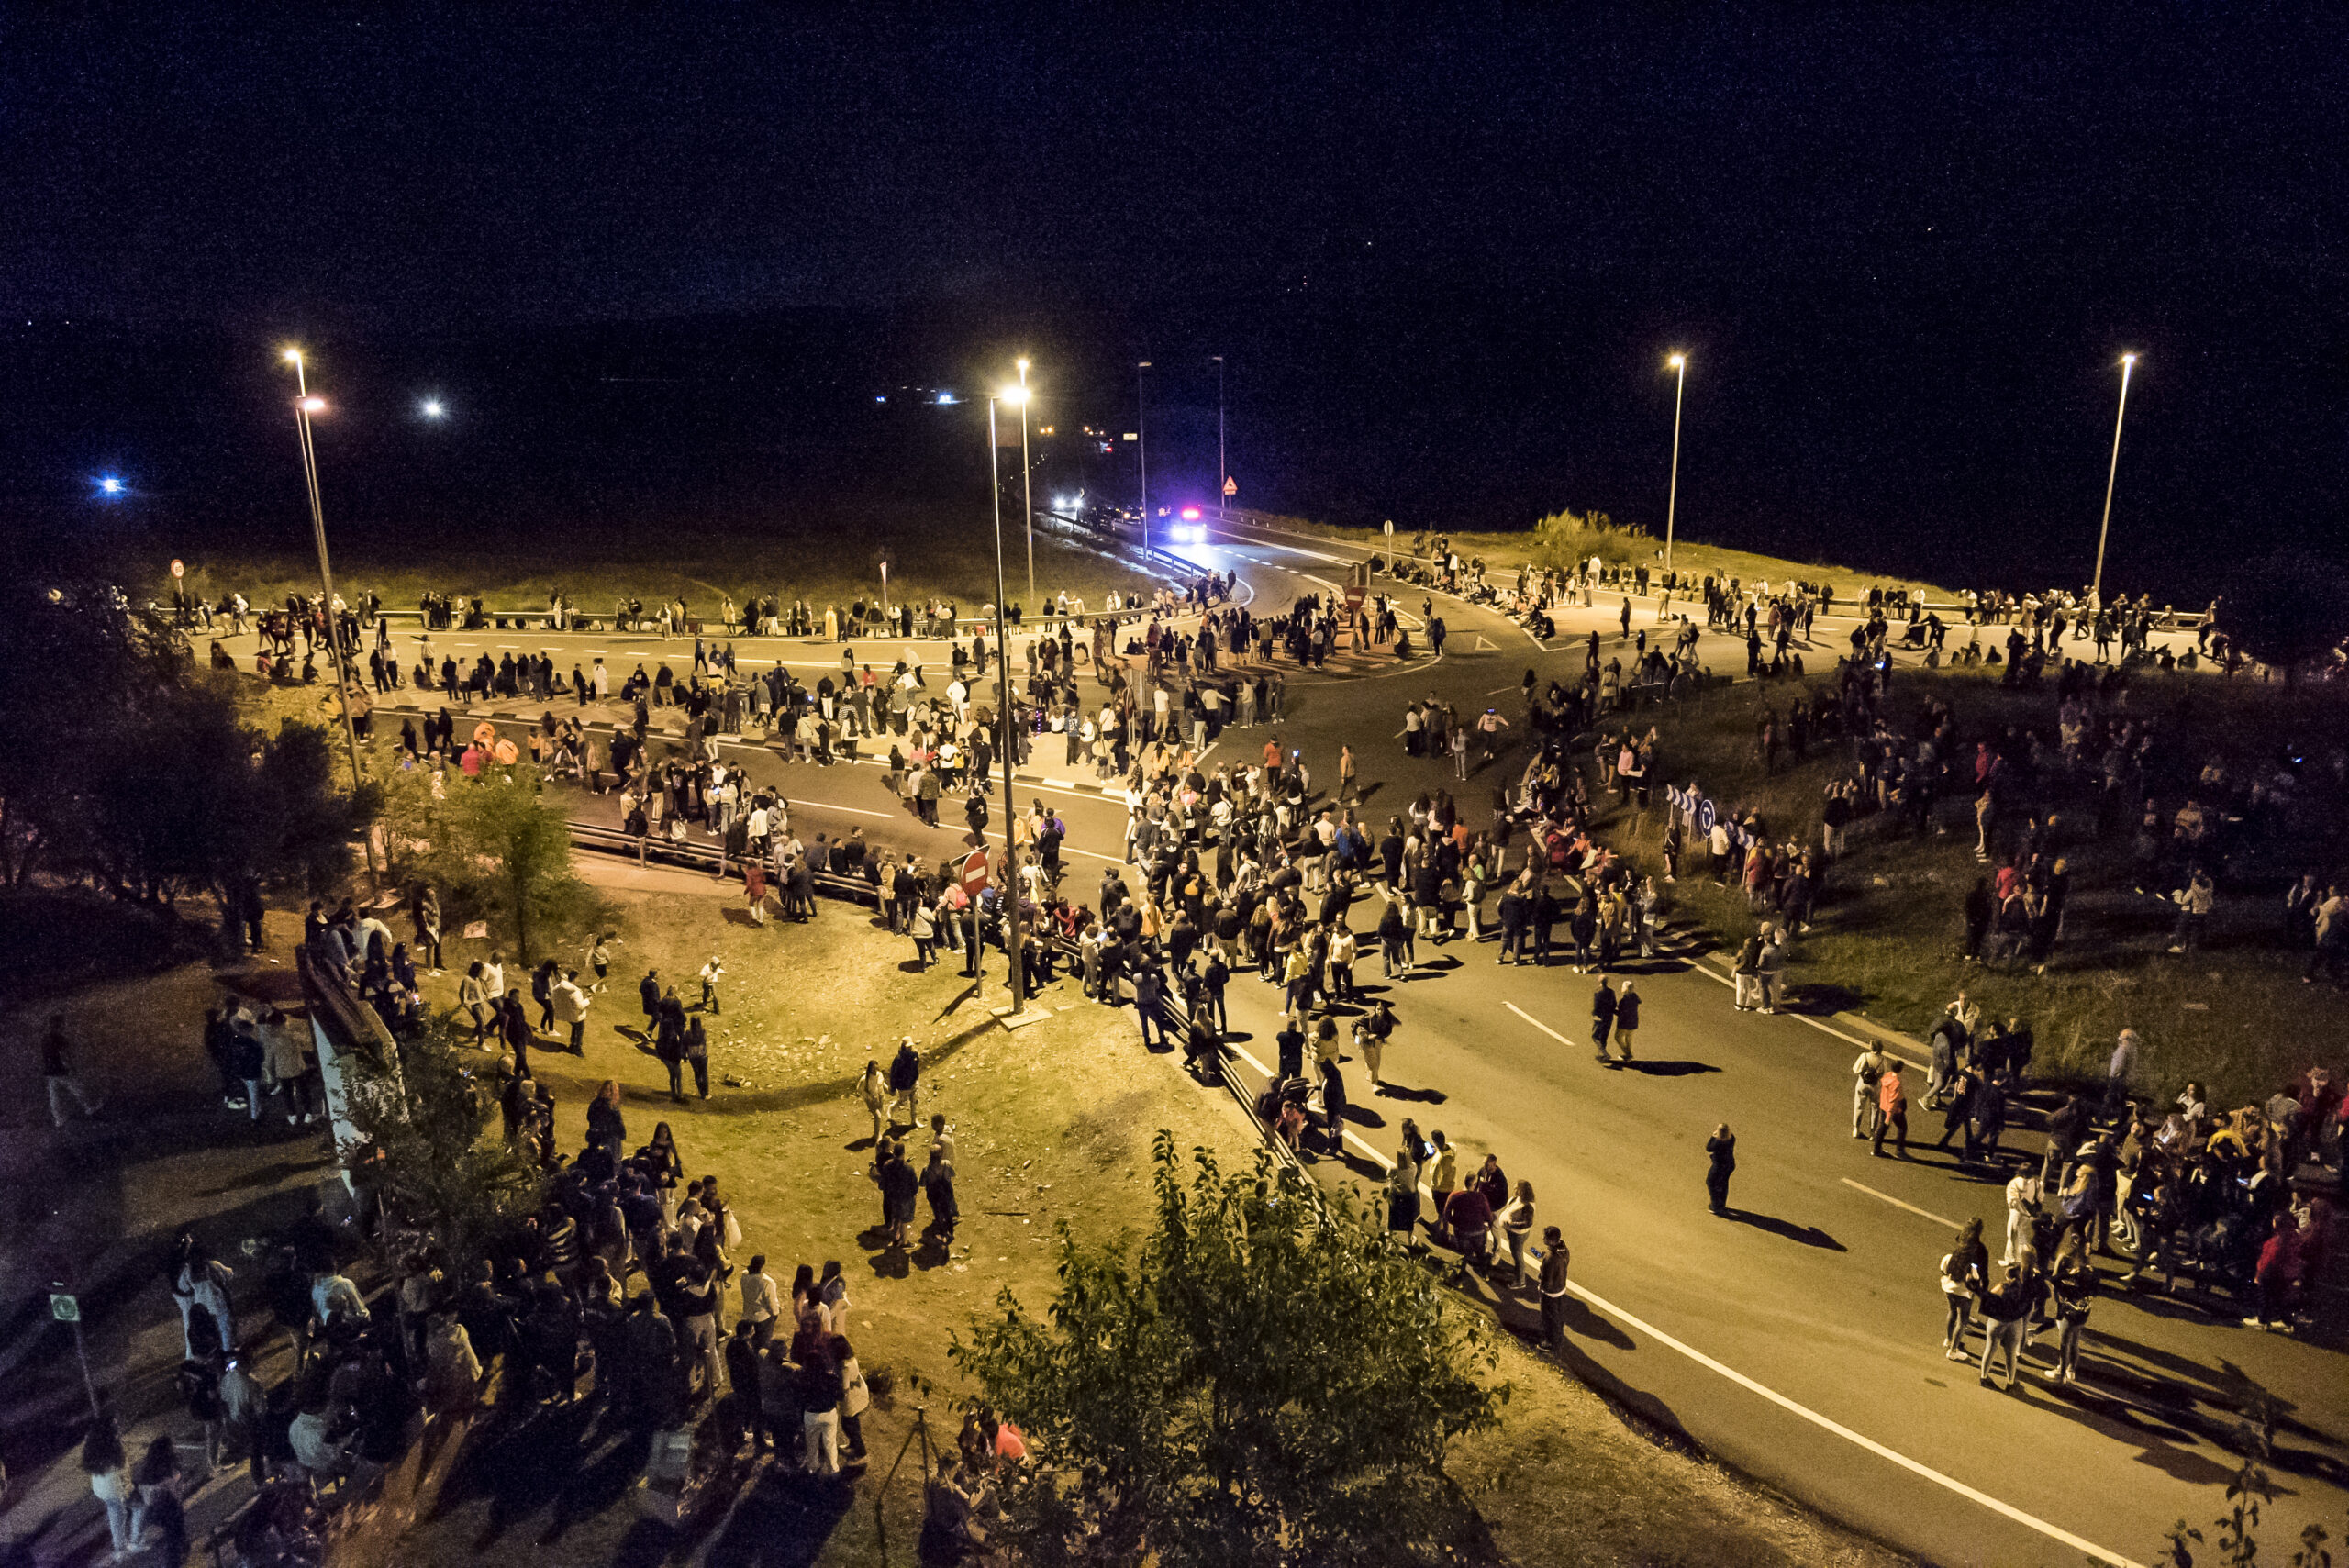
[1921, 1213]
[1537, 1023]
[2030, 1521]
[1484, 642]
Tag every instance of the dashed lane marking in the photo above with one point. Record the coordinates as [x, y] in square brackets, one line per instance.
[1887, 1197]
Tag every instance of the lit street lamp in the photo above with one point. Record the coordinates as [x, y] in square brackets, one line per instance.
[1678, 364]
[2095, 583]
[1014, 394]
[304, 407]
[433, 408]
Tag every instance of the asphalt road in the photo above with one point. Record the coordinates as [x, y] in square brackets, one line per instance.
[1799, 1341]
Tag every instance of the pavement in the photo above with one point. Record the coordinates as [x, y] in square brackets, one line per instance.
[1798, 1340]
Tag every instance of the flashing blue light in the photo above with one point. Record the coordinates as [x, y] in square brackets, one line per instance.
[947, 399]
[109, 485]
[877, 397]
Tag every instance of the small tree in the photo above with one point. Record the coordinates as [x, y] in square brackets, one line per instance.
[431, 1167]
[1267, 1379]
[1564, 541]
[497, 850]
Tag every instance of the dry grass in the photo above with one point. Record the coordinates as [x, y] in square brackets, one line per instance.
[1054, 1123]
[1887, 938]
[831, 563]
[1512, 549]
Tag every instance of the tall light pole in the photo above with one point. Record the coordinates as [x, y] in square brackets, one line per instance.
[1026, 490]
[1142, 440]
[1222, 463]
[1003, 711]
[1679, 365]
[304, 407]
[2095, 583]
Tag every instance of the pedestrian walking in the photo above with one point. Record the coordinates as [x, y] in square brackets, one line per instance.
[905, 1084]
[57, 1073]
[1602, 1018]
[1720, 1152]
[875, 1089]
[1627, 1019]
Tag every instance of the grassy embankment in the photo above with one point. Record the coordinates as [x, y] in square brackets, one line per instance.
[833, 560]
[1887, 937]
[1054, 1125]
[1511, 548]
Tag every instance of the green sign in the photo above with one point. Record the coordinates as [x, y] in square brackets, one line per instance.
[64, 1308]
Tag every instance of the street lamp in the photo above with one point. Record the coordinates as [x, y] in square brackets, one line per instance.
[1018, 396]
[1222, 464]
[2095, 583]
[305, 404]
[1141, 440]
[1678, 365]
[1027, 483]
[432, 408]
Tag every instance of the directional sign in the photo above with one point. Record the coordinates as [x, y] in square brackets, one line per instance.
[63, 1307]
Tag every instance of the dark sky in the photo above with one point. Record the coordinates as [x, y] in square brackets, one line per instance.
[1446, 248]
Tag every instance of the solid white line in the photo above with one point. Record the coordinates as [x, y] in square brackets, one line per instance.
[2031, 1521]
[1537, 1023]
[1960, 1487]
[1921, 1213]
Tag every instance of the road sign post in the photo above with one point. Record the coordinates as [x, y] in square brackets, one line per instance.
[65, 1306]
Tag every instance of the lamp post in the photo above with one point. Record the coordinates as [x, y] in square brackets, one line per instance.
[304, 407]
[1142, 440]
[1003, 711]
[2095, 583]
[1027, 484]
[1679, 365]
[1222, 463]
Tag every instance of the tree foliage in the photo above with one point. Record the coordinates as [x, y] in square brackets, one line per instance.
[497, 850]
[423, 1118]
[122, 763]
[1265, 1379]
[2286, 610]
[1564, 541]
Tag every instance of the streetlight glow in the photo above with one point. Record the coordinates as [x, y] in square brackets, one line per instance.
[292, 356]
[110, 485]
[1675, 361]
[1015, 395]
[314, 406]
[432, 408]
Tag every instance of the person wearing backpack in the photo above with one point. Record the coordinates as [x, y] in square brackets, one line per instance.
[1867, 1072]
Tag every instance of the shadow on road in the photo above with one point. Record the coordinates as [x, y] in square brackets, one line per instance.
[1809, 1235]
[1668, 1068]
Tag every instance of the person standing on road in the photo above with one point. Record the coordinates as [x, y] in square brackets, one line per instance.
[2075, 1292]
[1627, 1019]
[1720, 1149]
[1892, 1113]
[2006, 1313]
[1602, 1016]
[1554, 1259]
[1867, 1072]
[1965, 1269]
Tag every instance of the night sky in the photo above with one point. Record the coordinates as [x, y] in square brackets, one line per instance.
[1445, 251]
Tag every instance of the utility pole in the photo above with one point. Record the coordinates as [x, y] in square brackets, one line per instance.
[1003, 717]
[1222, 463]
[1142, 440]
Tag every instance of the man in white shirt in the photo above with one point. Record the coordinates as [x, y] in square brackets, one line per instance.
[571, 1007]
[762, 1301]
